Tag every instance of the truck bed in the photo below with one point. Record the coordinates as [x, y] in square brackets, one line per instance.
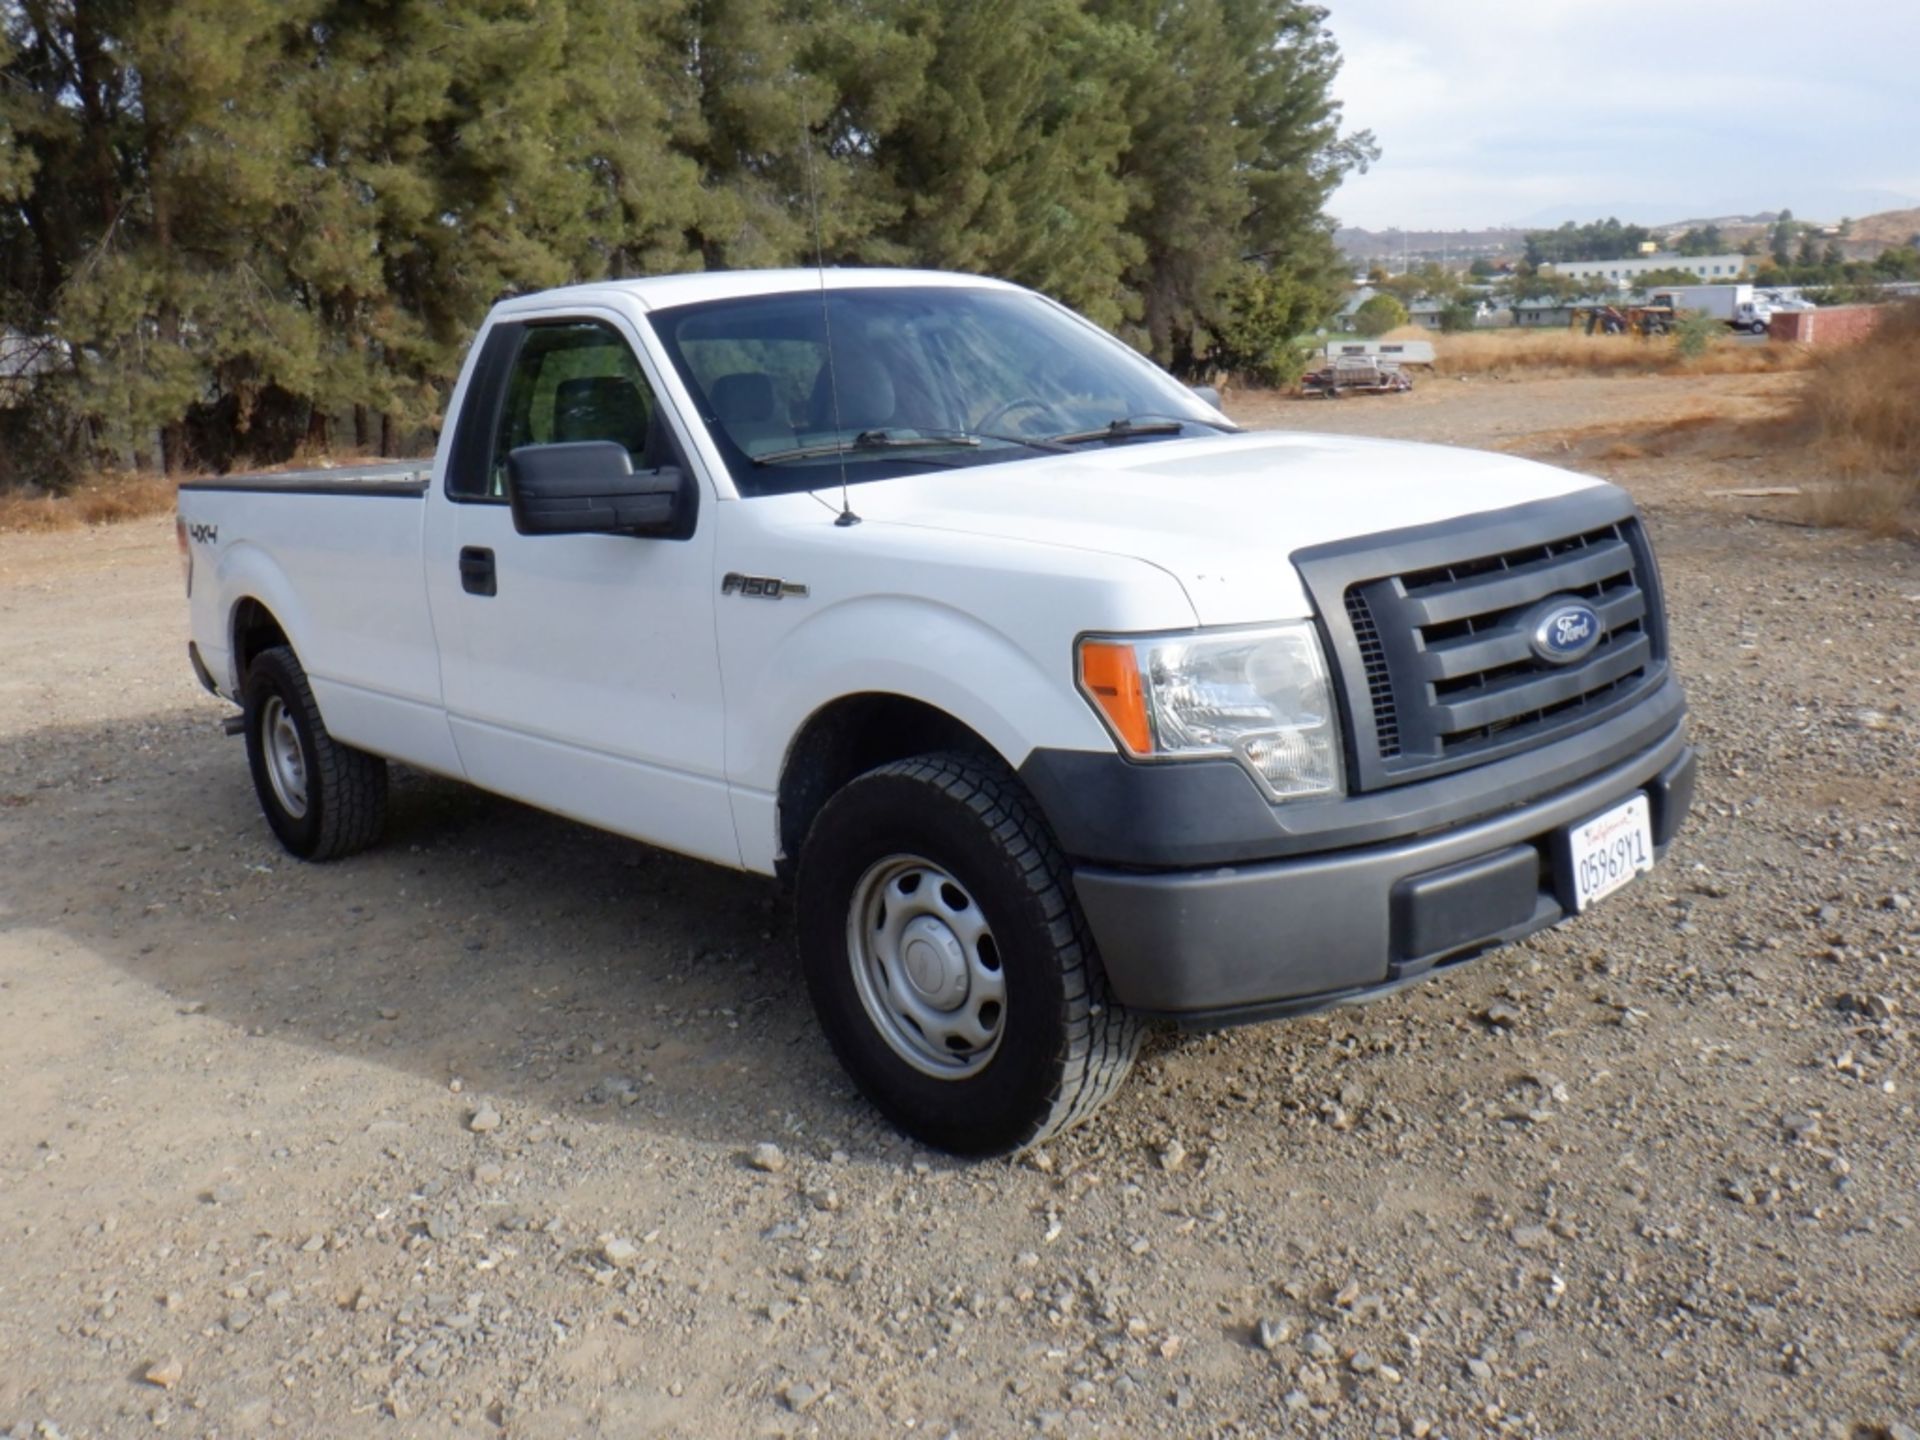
[344, 583]
[398, 478]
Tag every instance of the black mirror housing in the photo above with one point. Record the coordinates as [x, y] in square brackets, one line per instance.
[589, 487]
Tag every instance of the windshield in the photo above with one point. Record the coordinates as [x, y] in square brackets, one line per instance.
[920, 377]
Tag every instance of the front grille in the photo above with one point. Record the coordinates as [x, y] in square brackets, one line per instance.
[1480, 674]
[1373, 655]
[1436, 661]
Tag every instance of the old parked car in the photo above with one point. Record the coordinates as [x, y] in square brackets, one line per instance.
[1355, 375]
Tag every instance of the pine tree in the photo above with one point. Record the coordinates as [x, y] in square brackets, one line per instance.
[1235, 148]
[244, 218]
[1007, 165]
[178, 149]
[16, 164]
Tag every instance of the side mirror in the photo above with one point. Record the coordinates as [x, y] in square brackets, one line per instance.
[1207, 393]
[588, 487]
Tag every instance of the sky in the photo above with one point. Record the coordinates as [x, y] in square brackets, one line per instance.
[1527, 112]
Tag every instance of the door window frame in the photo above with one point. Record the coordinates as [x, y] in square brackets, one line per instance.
[477, 430]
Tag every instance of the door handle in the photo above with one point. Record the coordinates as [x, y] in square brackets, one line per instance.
[476, 571]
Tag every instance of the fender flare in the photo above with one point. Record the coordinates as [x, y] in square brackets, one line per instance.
[247, 572]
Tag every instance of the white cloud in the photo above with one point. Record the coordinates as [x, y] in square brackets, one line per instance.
[1491, 112]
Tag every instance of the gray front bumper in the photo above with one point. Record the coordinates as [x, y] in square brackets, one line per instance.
[1246, 941]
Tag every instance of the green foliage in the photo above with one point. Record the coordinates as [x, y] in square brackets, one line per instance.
[1457, 318]
[1427, 280]
[1601, 240]
[16, 164]
[1695, 332]
[1667, 275]
[1532, 284]
[1262, 314]
[1706, 240]
[1378, 314]
[1780, 237]
[257, 220]
[1856, 278]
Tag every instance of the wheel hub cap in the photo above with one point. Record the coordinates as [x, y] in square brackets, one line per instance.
[926, 967]
[934, 964]
[286, 759]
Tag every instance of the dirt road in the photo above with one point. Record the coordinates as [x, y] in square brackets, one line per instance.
[1655, 1174]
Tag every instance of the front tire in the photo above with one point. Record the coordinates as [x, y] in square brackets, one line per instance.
[948, 961]
[322, 799]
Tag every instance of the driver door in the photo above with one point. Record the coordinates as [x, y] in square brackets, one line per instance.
[581, 672]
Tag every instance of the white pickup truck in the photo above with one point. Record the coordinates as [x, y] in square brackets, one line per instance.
[1063, 705]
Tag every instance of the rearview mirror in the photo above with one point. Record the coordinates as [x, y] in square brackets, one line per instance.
[1207, 393]
[588, 487]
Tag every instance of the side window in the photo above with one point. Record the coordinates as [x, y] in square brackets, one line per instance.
[577, 380]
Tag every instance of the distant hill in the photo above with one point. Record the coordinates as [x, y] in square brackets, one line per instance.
[1868, 236]
[1362, 246]
[1889, 227]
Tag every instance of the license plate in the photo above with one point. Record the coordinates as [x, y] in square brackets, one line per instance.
[1609, 850]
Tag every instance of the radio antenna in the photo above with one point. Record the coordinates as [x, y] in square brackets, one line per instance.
[846, 516]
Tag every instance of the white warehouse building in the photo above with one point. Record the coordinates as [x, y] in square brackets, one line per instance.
[1708, 267]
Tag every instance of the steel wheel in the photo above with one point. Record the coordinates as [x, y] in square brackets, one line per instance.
[926, 967]
[286, 758]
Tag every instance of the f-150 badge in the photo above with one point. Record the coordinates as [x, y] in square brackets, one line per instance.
[760, 587]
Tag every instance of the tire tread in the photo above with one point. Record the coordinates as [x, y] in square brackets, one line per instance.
[349, 786]
[1101, 1037]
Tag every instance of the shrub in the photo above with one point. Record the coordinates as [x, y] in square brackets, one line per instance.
[1378, 315]
[1260, 313]
[1695, 332]
[1862, 405]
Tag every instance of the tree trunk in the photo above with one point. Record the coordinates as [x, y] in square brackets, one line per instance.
[173, 448]
[360, 438]
[386, 436]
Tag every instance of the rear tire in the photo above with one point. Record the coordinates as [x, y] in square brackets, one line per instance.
[948, 960]
[322, 799]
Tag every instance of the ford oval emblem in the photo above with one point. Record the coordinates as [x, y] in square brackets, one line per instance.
[1564, 630]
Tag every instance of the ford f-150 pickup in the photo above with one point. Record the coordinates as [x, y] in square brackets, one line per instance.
[1062, 704]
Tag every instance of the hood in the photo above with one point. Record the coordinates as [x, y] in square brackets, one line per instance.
[1222, 514]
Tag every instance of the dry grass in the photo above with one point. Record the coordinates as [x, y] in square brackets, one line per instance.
[1861, 408]
[98, 501]
[1681, 434]
[1545, 354]
[132, 495]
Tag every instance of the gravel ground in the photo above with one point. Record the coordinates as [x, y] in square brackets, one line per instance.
[511, 1128]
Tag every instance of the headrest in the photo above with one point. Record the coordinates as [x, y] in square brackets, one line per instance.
[600, 407]
[743, 398]
[866, 395]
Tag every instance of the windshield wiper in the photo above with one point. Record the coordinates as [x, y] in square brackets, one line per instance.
[865, 440]
[1128, 426]
[887, 440]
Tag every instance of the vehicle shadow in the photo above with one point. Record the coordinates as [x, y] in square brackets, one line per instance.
[539, 962]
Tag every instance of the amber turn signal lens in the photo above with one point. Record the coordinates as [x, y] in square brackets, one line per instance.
[1110, 674]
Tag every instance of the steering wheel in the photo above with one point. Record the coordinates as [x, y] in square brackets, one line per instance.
[992, 421]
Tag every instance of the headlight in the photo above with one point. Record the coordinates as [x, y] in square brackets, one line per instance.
[1261, 696]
